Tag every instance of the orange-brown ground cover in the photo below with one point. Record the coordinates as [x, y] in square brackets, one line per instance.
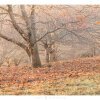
[60, 75]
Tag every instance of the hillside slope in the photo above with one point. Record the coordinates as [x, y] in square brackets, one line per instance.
[78, 76]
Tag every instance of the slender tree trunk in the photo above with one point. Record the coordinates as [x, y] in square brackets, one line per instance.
[93, 51]
[47, 55]
[53, 55]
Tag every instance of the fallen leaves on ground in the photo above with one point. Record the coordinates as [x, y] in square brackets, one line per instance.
[78, 76]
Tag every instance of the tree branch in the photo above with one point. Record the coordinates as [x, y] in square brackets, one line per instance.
[47, 34]
[14, 41]
[21, 32]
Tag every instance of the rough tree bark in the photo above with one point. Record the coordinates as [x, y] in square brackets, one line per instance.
[28, 36]
[32, 48]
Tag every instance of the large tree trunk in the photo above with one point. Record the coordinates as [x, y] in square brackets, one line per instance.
[34, 56]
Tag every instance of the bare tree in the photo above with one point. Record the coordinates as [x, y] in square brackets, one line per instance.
[28, 33]
[25, 23]
[29, 36]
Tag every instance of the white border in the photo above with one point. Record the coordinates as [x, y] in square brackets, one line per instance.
[47, 2]
[83, 2]
[50, 97]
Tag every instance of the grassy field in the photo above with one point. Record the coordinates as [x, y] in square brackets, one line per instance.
[85, 85]
[74, 77]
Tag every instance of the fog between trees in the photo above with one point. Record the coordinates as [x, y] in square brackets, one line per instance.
[36, 35]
